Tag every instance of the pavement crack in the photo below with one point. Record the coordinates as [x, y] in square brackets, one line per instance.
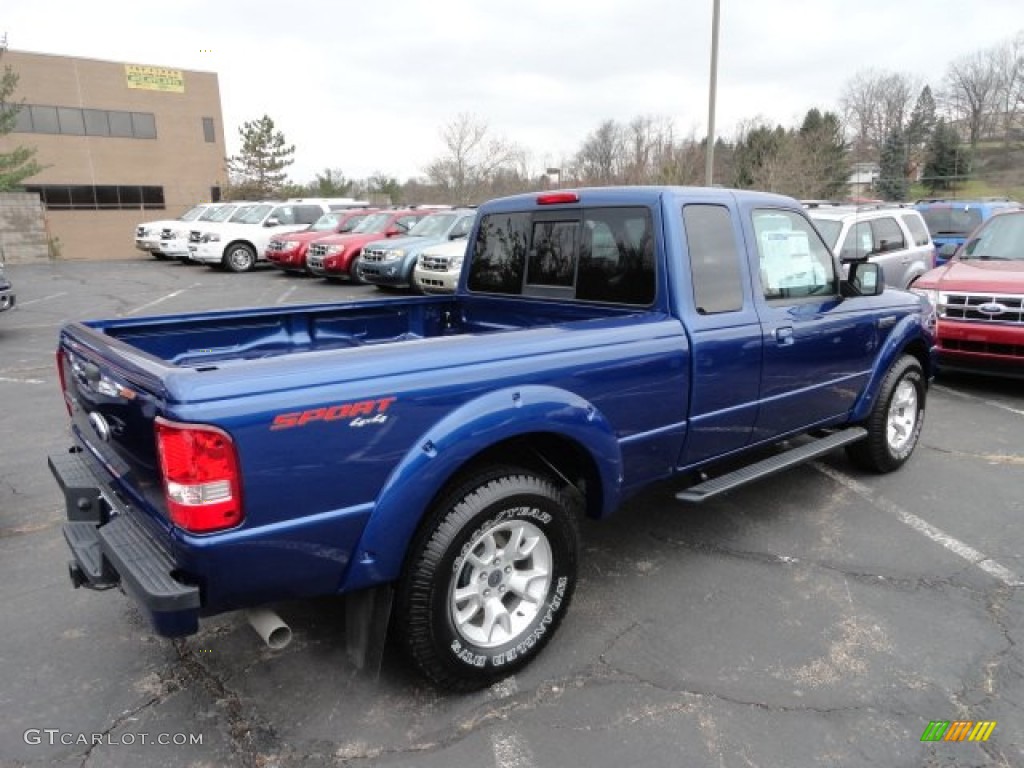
[252, 740]
[861, 577]
[101, 737]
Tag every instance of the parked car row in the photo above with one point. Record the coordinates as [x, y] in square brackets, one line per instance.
[356, 244]
[965, 256]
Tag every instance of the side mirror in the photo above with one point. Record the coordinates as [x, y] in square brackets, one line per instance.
[948, 250]
[271, 222]
[866, 278]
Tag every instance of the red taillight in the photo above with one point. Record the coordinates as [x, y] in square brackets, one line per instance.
[63, 382]
[554, 198]
[200, 472]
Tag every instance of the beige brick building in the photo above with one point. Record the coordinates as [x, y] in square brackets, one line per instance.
[121, 143]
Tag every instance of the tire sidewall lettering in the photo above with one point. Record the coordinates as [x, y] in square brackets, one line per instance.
[519, 648]
[914, 378]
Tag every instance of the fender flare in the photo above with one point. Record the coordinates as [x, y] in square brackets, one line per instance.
[908, 330]
[448, 445]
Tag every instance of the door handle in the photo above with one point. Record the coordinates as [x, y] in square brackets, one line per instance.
[784, 336]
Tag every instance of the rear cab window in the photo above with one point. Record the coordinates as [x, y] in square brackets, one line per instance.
[594, 254]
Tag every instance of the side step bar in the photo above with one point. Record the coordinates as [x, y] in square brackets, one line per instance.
[771, 465]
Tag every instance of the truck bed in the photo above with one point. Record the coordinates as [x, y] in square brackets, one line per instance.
[215, 339]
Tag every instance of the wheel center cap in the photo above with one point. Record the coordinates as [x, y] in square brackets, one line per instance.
[494, 579]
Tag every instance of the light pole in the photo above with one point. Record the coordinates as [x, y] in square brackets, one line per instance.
[709, 167]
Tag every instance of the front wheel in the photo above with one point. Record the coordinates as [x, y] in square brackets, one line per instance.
[489, 578]
[239, 257]
[894, 425]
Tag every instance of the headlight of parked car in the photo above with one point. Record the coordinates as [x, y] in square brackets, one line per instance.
[455, 264]
[211, 237]
[931, 294]
[393, 254]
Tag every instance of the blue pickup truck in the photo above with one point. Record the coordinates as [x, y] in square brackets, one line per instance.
[429, 457]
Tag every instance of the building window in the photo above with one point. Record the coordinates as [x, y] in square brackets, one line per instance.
[83, 197]
[96, 122]
[208, 133]
[72, 121]
[143, 125]
[44, 119]
[120, 124]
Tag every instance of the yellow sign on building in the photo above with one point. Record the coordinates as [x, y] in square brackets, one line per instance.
[154, 78]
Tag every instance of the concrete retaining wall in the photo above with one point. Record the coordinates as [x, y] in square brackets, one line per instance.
[22, 228]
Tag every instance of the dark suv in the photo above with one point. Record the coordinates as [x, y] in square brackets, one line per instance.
[951, 221]
[6, 291]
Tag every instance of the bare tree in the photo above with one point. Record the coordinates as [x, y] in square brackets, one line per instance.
[601, 158]
[875, 104]
[1009, 95]
[971, 87]
[473, 159]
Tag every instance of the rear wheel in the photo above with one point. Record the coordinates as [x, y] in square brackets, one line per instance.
[489, 578]
[894, 425]
[239, 257]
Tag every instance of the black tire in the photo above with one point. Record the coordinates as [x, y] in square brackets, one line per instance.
[894, 425]
[239, 257]
[453, 553]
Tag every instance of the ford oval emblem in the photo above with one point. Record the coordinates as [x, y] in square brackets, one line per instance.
[100, 426]
[992, 308]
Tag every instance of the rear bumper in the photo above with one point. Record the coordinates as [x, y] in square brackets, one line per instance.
[109, 547]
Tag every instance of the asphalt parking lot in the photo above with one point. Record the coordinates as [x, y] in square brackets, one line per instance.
[822, 617]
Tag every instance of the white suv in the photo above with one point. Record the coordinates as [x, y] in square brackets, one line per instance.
[241, 241]
[891, 235]
[147, 234]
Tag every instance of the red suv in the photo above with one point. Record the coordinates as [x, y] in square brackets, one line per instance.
[332, 257]
[979, 299]
[288, 252]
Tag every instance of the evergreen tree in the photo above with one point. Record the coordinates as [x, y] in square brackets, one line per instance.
[18, 164]
[823, 151]
[757, 157]
[922, 119]
[892, 182]
[945, 161]
[330, 183]
[259, 170]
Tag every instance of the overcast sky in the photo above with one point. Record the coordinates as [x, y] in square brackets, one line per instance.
[368, 86]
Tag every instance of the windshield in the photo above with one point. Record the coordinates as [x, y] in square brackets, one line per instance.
[221, 213]
[373, 223]
[1002, 239]
[434, 225]
[251, 214]
[193, 213]
[325, 223]
[829, 229]
[954, 220]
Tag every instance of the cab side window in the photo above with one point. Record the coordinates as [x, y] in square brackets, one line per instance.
[714, 259]
[794, 262]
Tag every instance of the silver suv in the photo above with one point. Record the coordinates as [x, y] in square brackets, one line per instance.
[891, 235]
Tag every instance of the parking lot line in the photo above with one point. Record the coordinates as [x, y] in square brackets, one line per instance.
[162, 299]
[42, 298]
[954, 545]
[511, 751]
[972, 398]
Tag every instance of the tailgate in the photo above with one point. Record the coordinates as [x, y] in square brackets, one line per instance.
[113, 401]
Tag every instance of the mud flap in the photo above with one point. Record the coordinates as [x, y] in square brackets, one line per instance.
[366, 626]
